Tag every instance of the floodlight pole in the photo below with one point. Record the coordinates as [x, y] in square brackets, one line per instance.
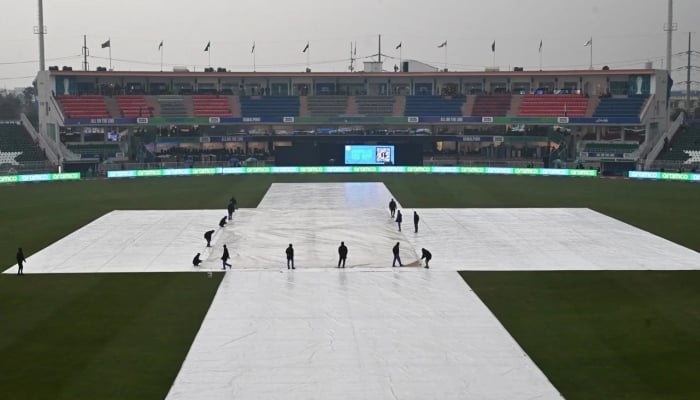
[41, 31]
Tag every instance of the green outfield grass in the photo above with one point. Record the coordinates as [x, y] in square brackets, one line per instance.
[99, 336]
[605, 334]
[40, 316]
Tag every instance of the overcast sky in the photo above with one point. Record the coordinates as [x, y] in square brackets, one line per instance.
[626, 33]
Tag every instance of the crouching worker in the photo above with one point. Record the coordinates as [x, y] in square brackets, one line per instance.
[196, 260]
[426, 254]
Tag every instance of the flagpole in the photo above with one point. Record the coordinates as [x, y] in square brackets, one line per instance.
[591, 66]
[253, 56]
[540, 55]
[110, 53]
[445, 56]
[161, 56]
[209, 54]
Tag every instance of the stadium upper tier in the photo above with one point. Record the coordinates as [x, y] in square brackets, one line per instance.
[179, 106]
[531, 97]
[17, 146]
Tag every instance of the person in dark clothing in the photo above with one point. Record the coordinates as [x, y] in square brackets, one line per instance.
[290, 256]
[399, 219]
[207, 236]
[396, 256]
[20, 261]
[225, 257]
[427, 255]
[196, 260]
[416, 218]
[342, 254]
[392, 207]
[222, 222]
[231, 208]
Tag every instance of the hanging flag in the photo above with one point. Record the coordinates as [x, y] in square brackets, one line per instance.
[398, 46]
[354, 52]
[443, 44]
[588, 43]
[540, 46]
[493, 46]
[305, 47]
[208, 45]
[160, 46]
[107, 44]
[253, 49]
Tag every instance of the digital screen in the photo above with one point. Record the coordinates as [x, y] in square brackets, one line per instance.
[113, 136]
[369, 155]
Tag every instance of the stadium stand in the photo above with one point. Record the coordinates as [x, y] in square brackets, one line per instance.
[491, 105]
[133, 106]
[172, 106]
[95, 150]
[375, 105]
[685, 144]
[553, 105]
[434, 106]
[211, 106]
[619, 107]
[86, 106]
[15, 139]
[327, 106]
[269, 106]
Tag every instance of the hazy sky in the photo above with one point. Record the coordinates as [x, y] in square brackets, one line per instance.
[626, 33]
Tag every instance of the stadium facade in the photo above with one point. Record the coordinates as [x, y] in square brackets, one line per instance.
[592, 116]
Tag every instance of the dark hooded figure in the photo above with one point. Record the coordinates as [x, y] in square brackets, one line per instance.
[222, 222]
[416, 218]
[342, 254]
[427, 255]
[290, 256]
[196, 260]
[399, 219]
[396, 256]
[225, 257]
[392, 207]
[231, 209]
[20, 261]
[207, 236]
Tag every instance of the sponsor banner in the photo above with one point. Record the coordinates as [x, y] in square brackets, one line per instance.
[142, 121]
[177, 172]
[418, 170]
[487, 120]
[233, 170]
[9, 178]
[285, 170]
[563, 120]
[121, 174]
[473, 170]
[288, 120]
[392, 169]
[214, 120]
[413, 120]
[675, 176]
[337, 170]
[66, 176]
[644, 174]
[363, 169]
[604, 121]
[526, 171]
[35, 178]
[149, 172]
[446, 170]
[206, 171]
[311, 170]
[500, 170]
[554, 172]
[583, 172]
[258, 170]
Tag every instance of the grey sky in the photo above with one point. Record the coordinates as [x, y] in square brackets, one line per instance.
[626, 33]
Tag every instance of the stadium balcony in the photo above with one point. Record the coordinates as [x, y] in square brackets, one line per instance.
[327, 106]
[86, 106]
[434, 106]
[211, 106]
[102, 151]
[607, 147]
[375, 105]
[553, 105]
[133, 106]
[15, 139]
[619, 107]
[492, 105]
[685, 146]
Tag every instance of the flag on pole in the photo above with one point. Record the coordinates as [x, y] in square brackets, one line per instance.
[305, 47]
[253, 49]
[398, 46]
[160, 46]
[493, 46]
[588, 43]
[540, 46]
[208, 45]
[443, 44]
[354, 51]
[107, 43]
